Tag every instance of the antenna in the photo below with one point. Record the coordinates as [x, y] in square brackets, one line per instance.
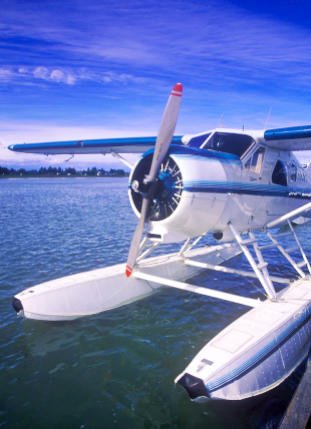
[219, 124]
[268, 117]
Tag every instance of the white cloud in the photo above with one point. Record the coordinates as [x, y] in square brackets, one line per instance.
[215, 43]
[233, 62]
[70, 79]
[5, 74]
[23, 74]
[212, 31]
[109, 77]
[57, 75]
[41, 73]
[53, 75]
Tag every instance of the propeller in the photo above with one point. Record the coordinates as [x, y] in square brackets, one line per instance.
[162, 145]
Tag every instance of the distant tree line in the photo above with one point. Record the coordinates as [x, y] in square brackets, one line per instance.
[60, 172]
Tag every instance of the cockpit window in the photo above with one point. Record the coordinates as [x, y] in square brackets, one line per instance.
[237, 144]
[198, 140]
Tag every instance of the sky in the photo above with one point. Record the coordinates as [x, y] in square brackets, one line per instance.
[77, 69]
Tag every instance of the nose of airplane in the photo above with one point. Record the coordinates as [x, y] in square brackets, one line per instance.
[194, 386]
[17, 305]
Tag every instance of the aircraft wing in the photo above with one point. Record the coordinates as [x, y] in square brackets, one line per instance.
[117, 145]
[289, 139]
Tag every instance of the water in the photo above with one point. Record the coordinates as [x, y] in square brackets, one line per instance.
[115, 369]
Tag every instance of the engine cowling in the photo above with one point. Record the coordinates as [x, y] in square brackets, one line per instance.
[184, 203]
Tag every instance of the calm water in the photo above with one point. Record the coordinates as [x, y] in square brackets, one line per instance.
[115, 369]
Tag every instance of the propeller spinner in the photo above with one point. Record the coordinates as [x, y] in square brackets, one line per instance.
[162, 145]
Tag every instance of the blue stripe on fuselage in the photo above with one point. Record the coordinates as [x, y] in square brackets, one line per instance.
[247, 188]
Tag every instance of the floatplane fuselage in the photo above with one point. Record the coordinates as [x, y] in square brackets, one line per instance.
[220, 177]
[230, 183]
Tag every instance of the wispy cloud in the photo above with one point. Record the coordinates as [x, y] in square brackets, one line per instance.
[5, 74]
[19, 74]
[112, 63]
[211, 42]
[63, 76]
[55, 75]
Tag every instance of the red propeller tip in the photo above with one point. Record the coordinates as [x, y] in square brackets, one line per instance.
[128, 271]
[178, 87]
[177, 90]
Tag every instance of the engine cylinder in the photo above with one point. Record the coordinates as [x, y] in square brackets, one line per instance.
[167, 192]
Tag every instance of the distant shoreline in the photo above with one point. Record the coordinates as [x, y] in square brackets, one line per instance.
[62, 177]
[51, 172]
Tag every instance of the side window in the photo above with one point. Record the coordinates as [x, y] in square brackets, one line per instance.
[254, 163]
[279, 175]
[257, 160]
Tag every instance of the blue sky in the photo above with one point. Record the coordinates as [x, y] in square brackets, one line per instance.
[94, 69]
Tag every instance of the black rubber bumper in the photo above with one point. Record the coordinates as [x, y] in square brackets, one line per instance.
[17, 305]
[194, 386]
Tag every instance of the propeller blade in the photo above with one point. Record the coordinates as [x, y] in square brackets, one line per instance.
[162, 145]
[166, 131]
[134, 248]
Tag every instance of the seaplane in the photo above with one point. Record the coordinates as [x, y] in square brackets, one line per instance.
[245, 188]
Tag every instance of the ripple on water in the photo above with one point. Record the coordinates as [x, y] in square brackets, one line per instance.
[114, 369]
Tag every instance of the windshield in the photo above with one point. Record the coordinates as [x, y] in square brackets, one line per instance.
[237, 144]
[198, 140]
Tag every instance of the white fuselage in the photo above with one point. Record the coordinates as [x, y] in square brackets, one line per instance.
[219, 188]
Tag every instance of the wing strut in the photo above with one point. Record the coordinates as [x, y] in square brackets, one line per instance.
[250, 302]
[260, 267]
